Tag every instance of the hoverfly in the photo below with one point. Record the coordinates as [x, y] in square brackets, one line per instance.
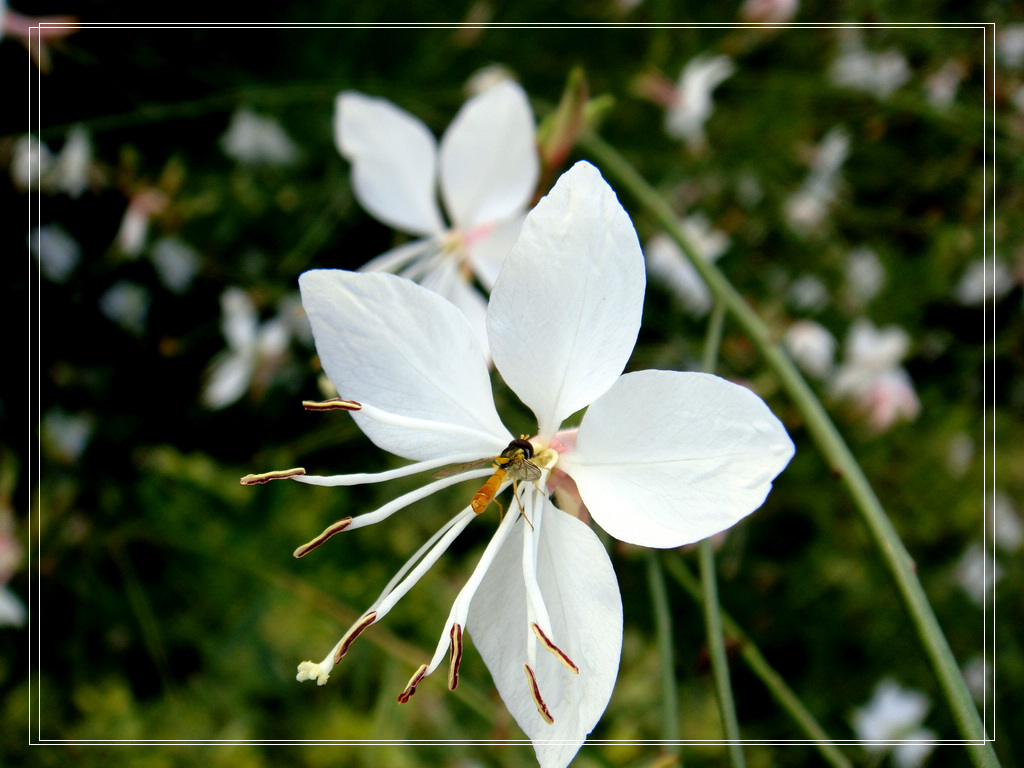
[513, 463]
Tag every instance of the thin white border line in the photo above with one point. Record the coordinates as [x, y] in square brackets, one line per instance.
[984, 26]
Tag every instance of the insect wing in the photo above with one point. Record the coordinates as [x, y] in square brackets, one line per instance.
[455, 469]
[523, 469]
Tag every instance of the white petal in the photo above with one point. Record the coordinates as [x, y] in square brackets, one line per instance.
[238, 320]
[565, 310]
[489, 164]
[447, 280]
[487, 255]
[582, 596]
[394, 162]
[667, 458]
[400, 257]
[388, 342]
[228, 378]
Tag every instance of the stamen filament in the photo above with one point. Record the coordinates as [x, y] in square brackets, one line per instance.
[535, 693]
[266, 477]
[336, 527]
[559, 653]
[355, 631]
[414, 681]
[456, 656]
[439, 427]
[361, 478]
[334, 404]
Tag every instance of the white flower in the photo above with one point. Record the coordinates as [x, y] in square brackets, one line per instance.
[12, 609]
[176, 263]
[667, 263]
[977, 572]
[892, 720]
[1010, 46]
[942, 85]
[254, 350]
[486, 170]
[812, 346]
[808, 293]
[872, 377]
[691, 105]
[984, 280]
[58, 252]
[769, 12]
[127, 304]
[806, 208]
[253, 139]
[978, 676]
[660, 459]
[1004, 524]
[879, 74]
[72, 168]
[864, 276]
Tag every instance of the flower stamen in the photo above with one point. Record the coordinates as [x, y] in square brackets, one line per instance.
[414, 681]
[266, 477]
[352, 634]
[542, 708]
[558, 652]
[456, 656]
[334, 404]
[336, 527]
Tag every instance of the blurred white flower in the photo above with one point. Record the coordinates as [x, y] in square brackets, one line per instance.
[74, 163]
[978, 677]
[871, 375]
[134, 230]
[12, 610]
[486, 169]
[812, 346]
[661, 458]
[690, 105]
[35, 32]
[254, 351]
[892, 721]
[57, 251]
[1004, 524]
[1010, 46]
[64, 436]
[959, 453]
[34, 166]
[806, 208]
[879, 74]
[31, 162]
[667, 262]
[769, 12]
[984, 280]
[977, 572]
[127, 304]
[942, 85]
[176, 263]
[254, 139]
[808, 293]
[864, 276]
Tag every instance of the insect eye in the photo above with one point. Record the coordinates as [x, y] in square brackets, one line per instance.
[521, 445]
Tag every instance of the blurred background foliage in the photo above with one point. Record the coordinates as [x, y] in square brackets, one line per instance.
[170, 606]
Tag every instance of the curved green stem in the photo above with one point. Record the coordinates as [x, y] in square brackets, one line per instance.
[764, 671]
[832, 447]
[663, 628]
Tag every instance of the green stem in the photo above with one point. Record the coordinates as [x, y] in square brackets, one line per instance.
[832, 447]
[712, 608]
[719, 659]
[764, 671]
[663, 628]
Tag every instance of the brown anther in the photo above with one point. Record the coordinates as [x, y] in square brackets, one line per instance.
[456, 656]
[558, 652]
[334, 404]
[336, 527]
[266, 477]
[535, 693]
[352, 634]
[410, 689]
